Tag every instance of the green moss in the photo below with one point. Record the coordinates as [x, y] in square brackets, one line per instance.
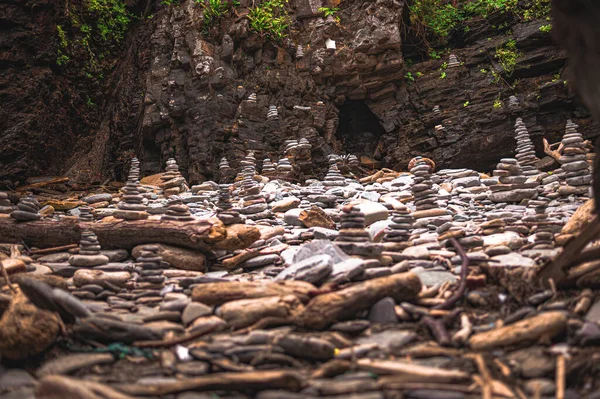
[507, 56]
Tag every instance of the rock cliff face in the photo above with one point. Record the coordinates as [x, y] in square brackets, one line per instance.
[181, 90]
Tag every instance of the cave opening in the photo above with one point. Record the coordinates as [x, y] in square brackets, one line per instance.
[359, 129]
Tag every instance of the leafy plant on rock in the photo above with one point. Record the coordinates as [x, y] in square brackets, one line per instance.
[507, 56]
[270, 18]
[216, 9]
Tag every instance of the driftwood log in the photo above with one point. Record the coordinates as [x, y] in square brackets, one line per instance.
[327, 309]
[113, 234]
[214, 294]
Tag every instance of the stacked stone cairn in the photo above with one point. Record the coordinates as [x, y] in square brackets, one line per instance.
[226, 172]
[85, 214]
[353, 161]
[284, 167]
[399, 230]
[5, 205]
[576, 170]
[299, 52]
[255, 206]
[150, 266]
[453, 61]
[352, 226]
[225, 211]
[272, 113]
[131, 206]
[525, 150]
[252, 98]
[177, 211]
[268, 168]
[543, 229]
[334, 178]
[173, 182]
[512, 187]
[28, 209]
[428, 214]
[436, 109]
[513, 102]
[290, 148]
[89, 252]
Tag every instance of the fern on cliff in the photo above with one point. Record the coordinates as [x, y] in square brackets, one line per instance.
[270, 18]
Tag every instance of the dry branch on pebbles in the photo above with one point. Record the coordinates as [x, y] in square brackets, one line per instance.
[327, 309]
[223, 292]
[126, 234]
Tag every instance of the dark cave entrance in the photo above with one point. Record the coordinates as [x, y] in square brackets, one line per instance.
[359, 129]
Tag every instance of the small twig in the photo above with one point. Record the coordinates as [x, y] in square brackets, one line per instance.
[174, 341]
[438, 330]
[6, 278]
[51, 250]
[560, 377]
[462, 287]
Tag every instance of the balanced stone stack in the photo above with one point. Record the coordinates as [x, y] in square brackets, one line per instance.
[544, 234]
[333, 159]
[525, 149]
[436, 110]
[272, 113]
[453, 61]
[284, 167]
[399, 230]
[177, 211]
[5, 205]
[225, 211]
[252, 98]
[513, 186]
[334, 178]
[353, 161]
[424, 195]
[225, 171]
[89, 252]
[131, 206]
[134, 170]
[150, 268]
[576, 170]
[85, 214]
[268, 168]
[513, 102]
[290, 148]
[255, 206]
[299, 52]
[173, 182]
[28, 209]
[352, 226]
[249, 163]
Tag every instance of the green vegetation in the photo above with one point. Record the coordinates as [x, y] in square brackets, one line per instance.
[169, 2]
[270, 18]
[507, 55]
[409, 76]
[466, 104]
[498, 103]
[443, 75]
[96, 26]
[328, 12]
[546, 28]
[216, 9]
[433, 54]
[440, 17]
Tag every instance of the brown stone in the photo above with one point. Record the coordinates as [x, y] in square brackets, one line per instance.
[152, 180]
[64, 205]
[14, 266]
[179, 258]
[316, 217]
[245, 312]
[239, 236]
[26, 330]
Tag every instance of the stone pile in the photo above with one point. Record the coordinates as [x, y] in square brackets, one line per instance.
[268, 168]
[134, 170]
[272, 113]
[525, 150]
[225, 171]
[85, 214]
[173, 182]
[284, 167]
[399, 230]
[5, 204]
[513, 102]
[543, 237]
[177, 211]
[436, 110]
[513, 186]
[334, 178]
[299, 52]
[131, 206]
[28, 209]
[352, 226]
[576, 170]
[453, 61]
[225, 211]
[89, 252]
[252, 98]
[425, 196]
[353, 161]
[150, 268]
[255, 206]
